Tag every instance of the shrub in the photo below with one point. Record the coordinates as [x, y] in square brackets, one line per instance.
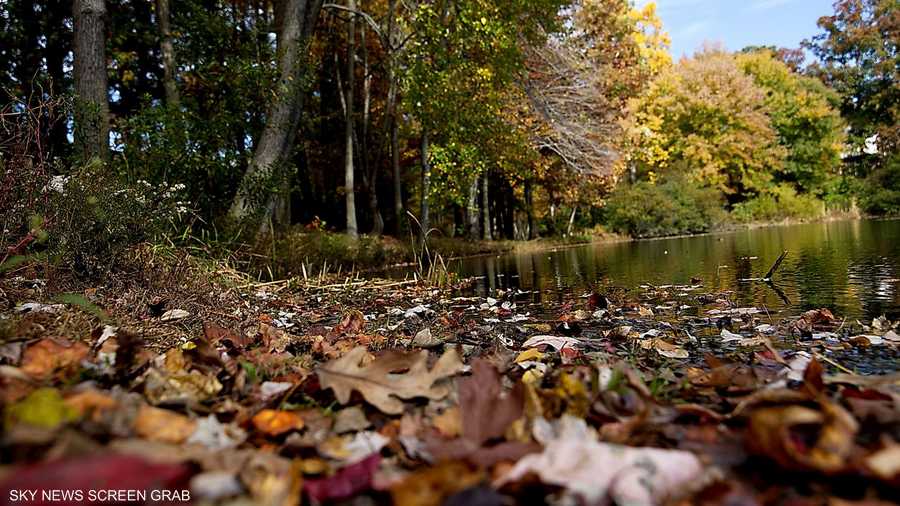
[881, 192]
[677, 206]
[84, 221]
[778, 203]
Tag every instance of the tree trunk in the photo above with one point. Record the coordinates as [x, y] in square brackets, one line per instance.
[485, 209]
[91, 101]
[424, 220]
[571, 221]
[369, 169]
[167, 49]
[283, 117]
[529, 209]
[349, 187]
[398, 183]
[472, 209]
[392, 117]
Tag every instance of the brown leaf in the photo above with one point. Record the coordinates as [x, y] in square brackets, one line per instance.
[46, 357]
[801, 438]
[351, 323]
[430, 486]
[449, 423]
[812, 378]
[486, 412]
[274, 422]
[163, 425]
[380, 383]
[216, 334]
[91, 402]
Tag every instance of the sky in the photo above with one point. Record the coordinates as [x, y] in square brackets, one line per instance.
[739, 23]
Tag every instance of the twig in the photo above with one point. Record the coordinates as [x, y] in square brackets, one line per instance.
[823, 358]
[768, 276]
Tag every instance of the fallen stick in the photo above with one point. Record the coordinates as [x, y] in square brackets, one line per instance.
[775, 266]
[768, 277]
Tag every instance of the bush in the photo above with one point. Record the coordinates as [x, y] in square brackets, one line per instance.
[677, 206]
[881, 192]
[779, 203]
[84, 221]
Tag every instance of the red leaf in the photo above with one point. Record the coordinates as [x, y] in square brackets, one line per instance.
[95, 473]
[348, 482]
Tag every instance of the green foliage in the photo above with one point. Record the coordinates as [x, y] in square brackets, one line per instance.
[83, 303]
[881, 191]
[779, 202]
[859, 55]
[166, 145]
[705, 118]
[85, 221]
[674, 207]
[801, 111]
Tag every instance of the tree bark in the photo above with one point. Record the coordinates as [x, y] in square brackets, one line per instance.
[392, 115]
[167, 49]
[283, 117]
[472, 209]
[424, 220]
[369, 169]
[91, 100]
[571, 221]
[349, 186]
[485, 209]
[529, 209]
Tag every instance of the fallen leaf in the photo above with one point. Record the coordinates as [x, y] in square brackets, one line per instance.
[529, 355]
[193, 386]
[163, 425]
[351, 323]
[216, 436]
[885, 463]
[344, 484]
[380, 385]
[44, 408]
[174, 314]
[352, 449]
[424, 339]
[216, 334]
[47, 357]
[215, 485]
[556, 342]
[275, 422]
[94, 472]
[449, 423]
[802, 438]
[431, 486]
[664, 348]
[603, 472]
[486, 414]
[91, 403]
[350, 419]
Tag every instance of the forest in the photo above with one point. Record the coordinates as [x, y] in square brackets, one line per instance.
[470, 119]
[296, 252]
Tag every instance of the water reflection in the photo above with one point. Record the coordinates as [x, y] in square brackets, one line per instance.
[849, 266]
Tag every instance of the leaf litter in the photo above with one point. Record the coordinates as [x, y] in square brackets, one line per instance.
[416, 396]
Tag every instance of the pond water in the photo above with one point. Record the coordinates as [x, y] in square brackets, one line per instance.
[850, 267]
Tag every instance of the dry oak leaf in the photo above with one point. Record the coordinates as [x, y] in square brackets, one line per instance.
[380, 383]
[274, 422]
[163, 425]
[45, 357]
